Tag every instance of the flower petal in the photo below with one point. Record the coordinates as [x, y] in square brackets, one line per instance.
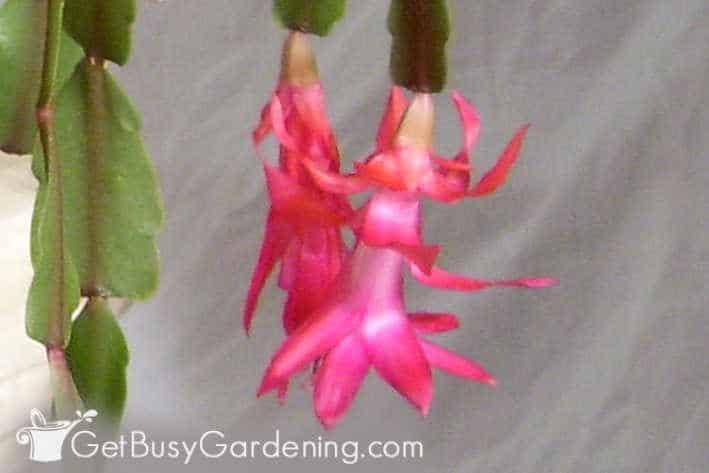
[317, 136]
[455, 364]
[442, 279]
[497, 176]
[396, 107]
[338, 379]
[298, 204]
[275, 241]
[389, 219]
[334, 182]
[312, 339]
[289, 263]
[264, 126]
[470, 120]
[456, 172]
[422, 257]
[393, 220]
[296, 310]
[317, 265]
[451, 164]
[440, 187]
[397, 356]
[429, 322]
[278, 122]
[399, 168]
[309, 103]
[382, 169]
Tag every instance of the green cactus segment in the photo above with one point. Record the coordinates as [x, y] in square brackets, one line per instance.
[98, 358]
[102, 27]
[420, 31]
[54, 293]
[112, 202]
[21, 61]
[309, 16]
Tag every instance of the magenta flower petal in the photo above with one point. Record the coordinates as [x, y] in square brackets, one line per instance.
[312, 339]
[441, 187]
[334, 182]
[397, 356]
[309, 103]
[264, 126]
[422, 257]
[497, 176]
[318, 261]
[388, 218]
[278, 123]
[455, 364]
[393, 220]
[396, 107]
[442, 279]
[470, 120]
[533, 283]
[456, 172]
[298, 204]
[273, 247]
[338, 379]
[399, 169]
[289, 264]
[428, 322]
[382, 170]
[451, 164]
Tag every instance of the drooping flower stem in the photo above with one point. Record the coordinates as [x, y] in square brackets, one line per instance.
[65, 396]
[298, 65]
[416, 129]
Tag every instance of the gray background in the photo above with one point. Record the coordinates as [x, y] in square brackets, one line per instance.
[606, 373]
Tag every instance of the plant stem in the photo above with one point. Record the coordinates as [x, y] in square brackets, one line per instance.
[96, 116]
[55, 10]
[66, 398]
[45, 120]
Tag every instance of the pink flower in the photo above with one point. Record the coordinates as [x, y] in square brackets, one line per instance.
[302, 229]
[362, 321]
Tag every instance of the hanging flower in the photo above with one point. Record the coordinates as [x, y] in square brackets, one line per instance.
[302, 229]
[362, 321]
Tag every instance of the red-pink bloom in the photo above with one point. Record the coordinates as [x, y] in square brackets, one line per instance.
[302, 229]
[362, 320]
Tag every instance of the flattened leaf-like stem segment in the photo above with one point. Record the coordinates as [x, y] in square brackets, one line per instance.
[309, 16]
[420, 31]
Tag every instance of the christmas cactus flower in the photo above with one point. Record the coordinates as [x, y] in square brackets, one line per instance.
[302, 229]
[362, 320]
[303, 225]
